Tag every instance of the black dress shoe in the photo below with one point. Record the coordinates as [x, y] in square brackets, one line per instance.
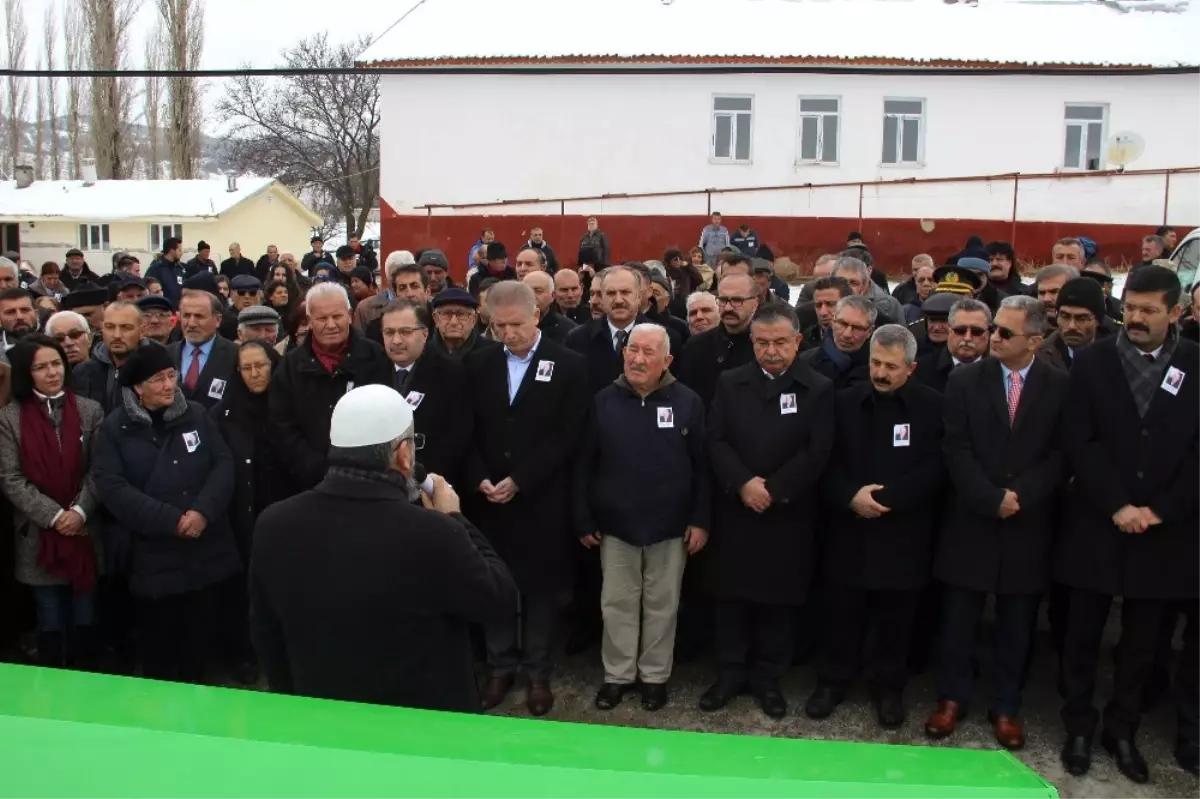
[1077, 755]
[719, 694]
[610, 695]
[654, 696]
[1187, 755]
[1129, 760]
[770, 700]
[889, 709]
[824, 700]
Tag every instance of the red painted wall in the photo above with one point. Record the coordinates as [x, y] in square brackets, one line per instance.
[893, 242]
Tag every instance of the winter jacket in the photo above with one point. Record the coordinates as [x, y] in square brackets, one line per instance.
[198, 265]
[598, 242]
[311, 259]
[232, 267]
[548, 251]
[86, 275]
[643, 476]
[713, 239]
[171, 275]
[746, 244]
[147, 476]
[96, 379]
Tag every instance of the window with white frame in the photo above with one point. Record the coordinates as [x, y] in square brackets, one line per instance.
[819, 129]
[731, 128]
[1085, 136]
[94, 238]
[903, 130]
[160, 233]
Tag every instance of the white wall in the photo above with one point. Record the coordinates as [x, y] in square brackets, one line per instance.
[480, 138]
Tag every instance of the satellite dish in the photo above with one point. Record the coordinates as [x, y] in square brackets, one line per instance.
[1124, 148]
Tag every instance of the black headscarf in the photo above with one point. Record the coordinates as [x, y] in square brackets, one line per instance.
[253, 407]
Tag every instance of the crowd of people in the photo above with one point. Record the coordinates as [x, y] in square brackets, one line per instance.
[351, 479]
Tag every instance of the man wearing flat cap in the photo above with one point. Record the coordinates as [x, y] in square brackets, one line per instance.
[436, 267]
[130, 288]
[497, 267]
[87, 300]
[158, 318]
[258, 322]
[1081, 320]
[165, 476]
[246, 290]
[454, 314]
[382, 617]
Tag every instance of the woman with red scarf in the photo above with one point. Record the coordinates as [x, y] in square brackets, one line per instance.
[46, 436]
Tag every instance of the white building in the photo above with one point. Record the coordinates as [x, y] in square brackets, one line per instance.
[698, 101]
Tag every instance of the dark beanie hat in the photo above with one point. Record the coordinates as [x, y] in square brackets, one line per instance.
[363, 274]
[203, 280]
[496, 251]
[1082, 293]
[146, 361]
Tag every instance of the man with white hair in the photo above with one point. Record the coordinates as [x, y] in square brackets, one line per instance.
[858, 275]
[333, 359]
[73, 334]
[639, 531]
[702, 312]
[906, 293]
[881, 491]
[530, 403]
[822, 268]
[382, 616]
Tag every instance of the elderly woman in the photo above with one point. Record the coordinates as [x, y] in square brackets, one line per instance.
[165, 475]
[46, 436]
[241, 418]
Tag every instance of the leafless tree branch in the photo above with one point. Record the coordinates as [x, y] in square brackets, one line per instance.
[17, 95]
[50, 38]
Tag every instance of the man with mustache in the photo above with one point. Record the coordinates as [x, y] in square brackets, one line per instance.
[702, 312]
[17, 316]
[969, 326]
[842, 355]
[1131, 520]
[1081, 320]
[769, 436]
[881, 490]
[1050, 280]
[205, 361]
[1005, 451]
[727, 346]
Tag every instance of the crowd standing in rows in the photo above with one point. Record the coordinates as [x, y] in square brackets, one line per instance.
[261, 465]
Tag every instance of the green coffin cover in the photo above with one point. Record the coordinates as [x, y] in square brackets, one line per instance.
[71, 734]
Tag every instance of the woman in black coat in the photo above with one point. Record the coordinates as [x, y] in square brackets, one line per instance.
[165, 475]
[241, 418]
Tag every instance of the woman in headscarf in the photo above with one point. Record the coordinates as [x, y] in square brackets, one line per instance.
[166, 477]
[241, 417]
[46, 437]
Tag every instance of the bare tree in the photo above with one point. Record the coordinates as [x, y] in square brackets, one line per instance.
[318, 133]
[17, 96]
[76, 87]
[50, 36]
[107, 25]
[153, 100]
[183, 21]
[39, 115]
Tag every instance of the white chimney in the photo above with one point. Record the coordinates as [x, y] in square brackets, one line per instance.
[24, 175]
[231, 183]
[87, 166]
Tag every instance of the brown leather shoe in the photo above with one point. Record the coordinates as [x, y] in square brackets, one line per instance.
[1008, 732]
[494, 691]
[540, 698]
[944, 719]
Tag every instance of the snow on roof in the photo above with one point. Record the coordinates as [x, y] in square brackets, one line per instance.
[929, 33]
[159, 200]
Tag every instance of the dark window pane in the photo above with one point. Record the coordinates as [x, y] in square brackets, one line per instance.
[902, 106]
[808, 138]
[1074, 141]
[1085, 112]
[1094, 142]
[83, 237]
[724, 135]
[742, 141]
[829, 139]
[104, 237]
[909, 141]
[731, 103]
[890, 125]
[819, 106]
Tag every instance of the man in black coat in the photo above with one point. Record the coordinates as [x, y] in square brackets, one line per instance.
[496, 266]
[318, 255]
[769, 436]
[844, 354]
[97, 377]
[1131, 515]
[568, 297]
[553, 324]
[727, 346]
[969, 323]
[601, 341]
[455, 313]
[168, 270]
[205, 361]
[202, 262]
[881, 489]
[1004, 419]
[530, 402]
[435, 386]
[333, 359]
[236, 264]
[816, 316]
[381, 616]
[165, 475]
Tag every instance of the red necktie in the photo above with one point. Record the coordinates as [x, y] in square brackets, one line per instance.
[1014, 395]
[193, 373]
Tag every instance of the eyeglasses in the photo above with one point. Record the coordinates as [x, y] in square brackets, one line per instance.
[457, 315]
[1065, 317]
[163, 377]
[74, 335]
[974, 332]
[735, 302]
[250, 368]
[859, 329]
[1006, 334]
[244, 293]
[402, 331]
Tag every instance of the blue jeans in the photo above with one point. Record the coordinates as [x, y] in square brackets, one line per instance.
[60, 609]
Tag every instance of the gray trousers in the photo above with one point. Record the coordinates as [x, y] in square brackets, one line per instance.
[539, 614]
[640, 605]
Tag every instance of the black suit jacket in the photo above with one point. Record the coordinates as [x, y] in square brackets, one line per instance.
[604, 364]
[1121, 458]
[441, 393]
[985, 455]
[934, 368]
[219, 369]
[556, 327]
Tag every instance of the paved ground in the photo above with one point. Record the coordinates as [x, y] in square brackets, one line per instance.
[580, 677]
